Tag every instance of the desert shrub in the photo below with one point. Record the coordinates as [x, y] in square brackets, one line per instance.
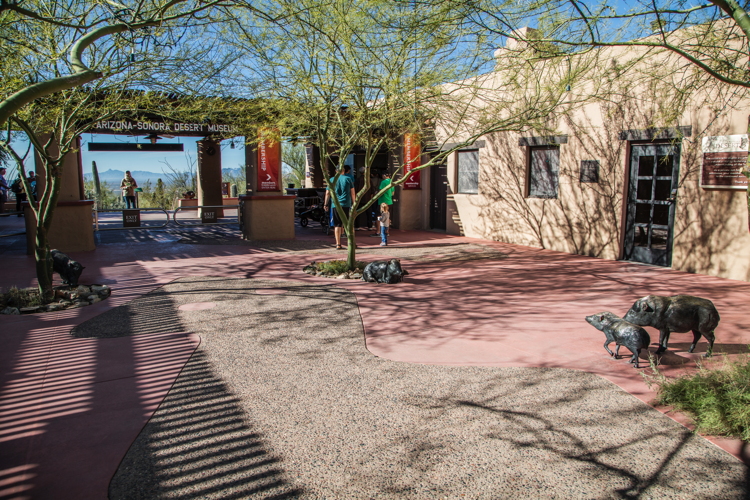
[21, 297]
[718, 399]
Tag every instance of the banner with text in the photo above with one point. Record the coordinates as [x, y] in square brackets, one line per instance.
[724, 159]
[269, 160]
[412, 160]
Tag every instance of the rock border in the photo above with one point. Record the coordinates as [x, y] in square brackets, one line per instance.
[312, 269]
[66, 297]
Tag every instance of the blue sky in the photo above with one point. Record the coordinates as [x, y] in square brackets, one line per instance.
[153, 161]
[145, 161]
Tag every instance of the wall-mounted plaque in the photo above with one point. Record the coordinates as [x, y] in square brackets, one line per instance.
[724, 159]
[589, 171]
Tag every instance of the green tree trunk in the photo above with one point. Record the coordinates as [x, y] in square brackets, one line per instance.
[351, 251]
[43, 263]
[44, 211]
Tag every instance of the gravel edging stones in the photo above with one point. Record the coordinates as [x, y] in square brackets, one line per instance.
[282, 399]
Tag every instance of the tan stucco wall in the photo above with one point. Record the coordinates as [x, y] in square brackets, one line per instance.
[410, 206]
[71, 183]
[268, 218]
[711, 225]
[72, 229]
[710, 231]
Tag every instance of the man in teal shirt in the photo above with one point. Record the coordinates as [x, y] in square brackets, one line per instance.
[344, 190]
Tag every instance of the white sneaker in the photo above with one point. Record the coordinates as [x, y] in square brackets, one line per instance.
[383, 244]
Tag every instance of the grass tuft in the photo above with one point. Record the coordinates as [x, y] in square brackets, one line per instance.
[718, 399]
[21, 297]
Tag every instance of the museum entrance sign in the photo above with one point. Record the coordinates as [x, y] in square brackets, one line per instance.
[145, 127]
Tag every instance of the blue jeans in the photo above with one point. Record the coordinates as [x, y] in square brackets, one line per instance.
[129, 201]
[383, 234]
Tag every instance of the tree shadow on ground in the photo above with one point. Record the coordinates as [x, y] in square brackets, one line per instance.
[199, 445]
[351, 425]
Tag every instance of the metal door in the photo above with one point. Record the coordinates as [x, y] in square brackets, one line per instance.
[438, 196]
[649, 229]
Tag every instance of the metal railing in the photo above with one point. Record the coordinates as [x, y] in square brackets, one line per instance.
[96, 213]
[201, 210]
[235, 219]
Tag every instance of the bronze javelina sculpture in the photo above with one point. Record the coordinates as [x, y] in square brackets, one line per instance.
[384, 271]
[68, 269]
[678, 313]
[621, 332]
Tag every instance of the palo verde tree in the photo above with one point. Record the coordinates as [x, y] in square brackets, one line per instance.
[711, 38]
[359, 75]
[67, 64]
[295, 161]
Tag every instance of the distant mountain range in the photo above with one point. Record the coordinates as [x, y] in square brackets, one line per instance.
[114, 177]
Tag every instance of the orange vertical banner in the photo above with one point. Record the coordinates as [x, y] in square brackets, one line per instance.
[412, 160]
[269, 160]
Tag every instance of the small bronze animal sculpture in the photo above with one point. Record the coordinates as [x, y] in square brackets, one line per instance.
[621, 332]
[384, 271]
[678, 313]
[68, 269]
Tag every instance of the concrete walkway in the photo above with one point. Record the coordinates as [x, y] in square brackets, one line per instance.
[72, 407]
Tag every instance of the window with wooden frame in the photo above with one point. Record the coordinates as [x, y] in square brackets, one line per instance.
[467, 166]
[544, 171]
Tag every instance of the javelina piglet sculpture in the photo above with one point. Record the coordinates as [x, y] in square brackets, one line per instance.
[68, 269]
[384, 271]
[678, 313]
[621, 332]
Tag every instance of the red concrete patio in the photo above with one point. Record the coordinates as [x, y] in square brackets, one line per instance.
[72, 407]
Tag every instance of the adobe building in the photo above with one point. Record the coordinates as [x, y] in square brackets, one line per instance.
[625, 167]
[631, 168]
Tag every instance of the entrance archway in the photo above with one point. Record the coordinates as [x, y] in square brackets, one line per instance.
[72, 229]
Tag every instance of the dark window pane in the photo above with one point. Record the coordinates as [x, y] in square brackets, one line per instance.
[642, 213]
[468, 172]
[544, 172]
[664, 166]
[641, 237]
[646, 166]
[644, 190]
[659, 239]
[663, 188]
[661, 215]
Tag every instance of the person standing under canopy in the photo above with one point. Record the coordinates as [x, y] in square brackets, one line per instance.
[128, 186]
[344, 191]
